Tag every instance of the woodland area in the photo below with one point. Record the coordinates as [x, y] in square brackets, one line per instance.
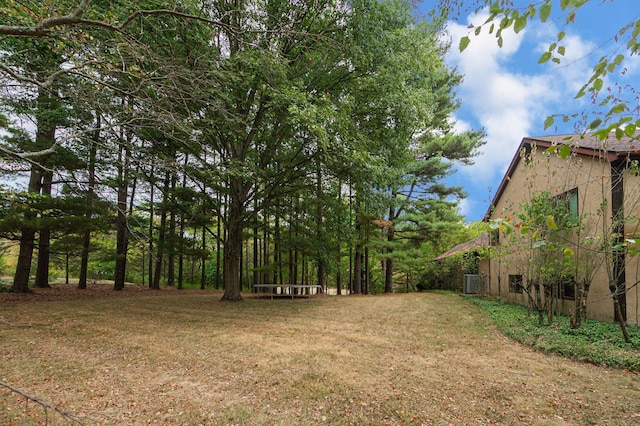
[226, 143]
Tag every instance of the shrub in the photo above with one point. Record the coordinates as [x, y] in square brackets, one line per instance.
[596, 342]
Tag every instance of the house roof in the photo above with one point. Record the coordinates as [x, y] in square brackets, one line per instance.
[584, 144]
[476, 243]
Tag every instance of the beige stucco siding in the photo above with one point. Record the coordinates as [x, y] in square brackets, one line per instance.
[632, 232]
[548, 172]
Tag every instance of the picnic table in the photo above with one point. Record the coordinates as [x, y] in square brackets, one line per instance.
[288, 289]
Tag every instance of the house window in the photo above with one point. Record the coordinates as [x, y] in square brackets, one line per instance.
[515, 283]
[570, 200]
[565, 288]
[494, 237]
[568, 288]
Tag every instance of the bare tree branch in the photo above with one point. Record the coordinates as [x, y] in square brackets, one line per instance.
[45, 28]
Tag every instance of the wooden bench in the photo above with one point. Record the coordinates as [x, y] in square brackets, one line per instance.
[288, 289]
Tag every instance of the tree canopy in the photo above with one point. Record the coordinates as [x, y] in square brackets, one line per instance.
[259, 141]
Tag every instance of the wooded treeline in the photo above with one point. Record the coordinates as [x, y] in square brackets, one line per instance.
[241, 141]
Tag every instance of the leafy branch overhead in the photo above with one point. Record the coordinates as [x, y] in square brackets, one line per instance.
[34, 19]
[619, 113]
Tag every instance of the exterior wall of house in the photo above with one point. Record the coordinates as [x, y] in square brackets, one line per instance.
[591, 176]
[632, 232]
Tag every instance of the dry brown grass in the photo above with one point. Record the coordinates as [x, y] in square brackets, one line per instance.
[170, 357]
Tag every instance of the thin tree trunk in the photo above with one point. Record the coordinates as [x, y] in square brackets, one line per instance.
[86, 234]
[277, 255]
[27, 240]
[388, 270]
[621, 320]
[45, 137]
[218, 243]
[151, 214]
[357, 261]
[171, 256]
[162, 233]
[181, 231]
[233, 245]
[290, 235]
[203, 259]
[44, 243]
[367, 276]
[121, 219]
[266, 276]
[256, 257]
[357, 272]
[581, 292]
[319, 229]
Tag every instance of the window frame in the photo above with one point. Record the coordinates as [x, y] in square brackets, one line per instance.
[516, 285]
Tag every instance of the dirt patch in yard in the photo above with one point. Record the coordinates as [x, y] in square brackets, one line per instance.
[183, 357]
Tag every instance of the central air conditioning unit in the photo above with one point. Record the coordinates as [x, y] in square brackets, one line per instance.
[471, 284]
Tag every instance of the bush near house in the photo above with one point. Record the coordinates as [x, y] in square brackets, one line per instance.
[595, 342]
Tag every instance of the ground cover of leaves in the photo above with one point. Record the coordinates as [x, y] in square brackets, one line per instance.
[174, 357]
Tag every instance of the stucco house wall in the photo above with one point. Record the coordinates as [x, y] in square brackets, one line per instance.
[588, 170]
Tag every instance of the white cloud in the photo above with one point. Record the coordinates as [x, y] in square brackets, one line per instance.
[508, 93]
[501, 101]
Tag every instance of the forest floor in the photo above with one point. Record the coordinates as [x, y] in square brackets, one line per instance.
[184, 358]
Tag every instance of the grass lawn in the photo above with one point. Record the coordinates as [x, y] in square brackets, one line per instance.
[183, 357]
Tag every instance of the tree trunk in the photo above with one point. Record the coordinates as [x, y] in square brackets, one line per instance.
[181, 231]
[233, 248]
[538, 302]
[548, 301]
[339, 272]
[319, 227]
[162, 232]
[620, 316]
[203, 259]
[367, 277]
[171, 256]
[275, 265]
[219, 239]
[266, 255]
[357, 272]
[44, 243]
[290, 236]
[151, 214]
[388, 270]
[181, 254]
[45, 137]
[357, 261]
[27, 240]
[618, 311]
[122, 240]
[256, 258]
[86, 234]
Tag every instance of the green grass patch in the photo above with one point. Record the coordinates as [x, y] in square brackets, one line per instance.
[595, 342]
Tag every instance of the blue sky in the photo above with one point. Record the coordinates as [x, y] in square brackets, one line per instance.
[508, 94]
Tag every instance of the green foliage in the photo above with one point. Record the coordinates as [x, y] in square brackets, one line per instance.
[244, 108]
[595, 342]
[542, 234]
[620, 113]
[446, 273]
[4, 248]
